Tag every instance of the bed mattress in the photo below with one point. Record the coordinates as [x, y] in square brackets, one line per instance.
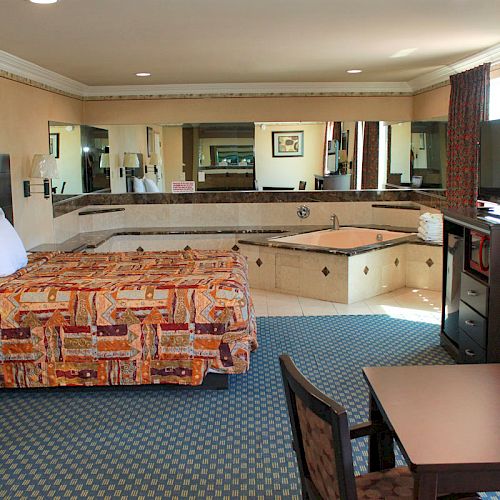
[71, 319]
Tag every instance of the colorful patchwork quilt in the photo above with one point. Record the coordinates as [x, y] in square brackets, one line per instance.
[125, 319]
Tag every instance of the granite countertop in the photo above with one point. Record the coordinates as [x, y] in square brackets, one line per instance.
[255, 235]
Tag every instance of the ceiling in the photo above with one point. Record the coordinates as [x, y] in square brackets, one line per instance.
[105, 42]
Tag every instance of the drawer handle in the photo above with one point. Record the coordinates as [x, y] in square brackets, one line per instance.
[470, 353]
[469, 322]
[472, 293]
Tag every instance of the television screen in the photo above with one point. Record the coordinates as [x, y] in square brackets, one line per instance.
[489, 164]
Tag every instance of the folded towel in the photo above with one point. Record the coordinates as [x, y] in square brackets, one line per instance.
[431, 217]
[428, 229]
[435, 238]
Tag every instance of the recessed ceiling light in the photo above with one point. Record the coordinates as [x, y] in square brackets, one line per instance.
[404, 52]
[143, 74]
[352, 71]
[43, 1]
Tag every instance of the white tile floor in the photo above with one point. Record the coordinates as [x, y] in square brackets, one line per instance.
[407, 303]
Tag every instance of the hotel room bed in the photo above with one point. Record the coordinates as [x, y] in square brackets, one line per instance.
[71, 319]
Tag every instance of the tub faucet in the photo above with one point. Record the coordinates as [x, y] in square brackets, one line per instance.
[335, 222]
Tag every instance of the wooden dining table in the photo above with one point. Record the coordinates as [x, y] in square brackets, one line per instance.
[446, 421]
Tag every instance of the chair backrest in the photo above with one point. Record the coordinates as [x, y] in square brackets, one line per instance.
[321, 437]
[302, 185]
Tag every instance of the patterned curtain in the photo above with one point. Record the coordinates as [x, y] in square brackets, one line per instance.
[369, 169]
[354, 169]
[469, 105]
[328, 137]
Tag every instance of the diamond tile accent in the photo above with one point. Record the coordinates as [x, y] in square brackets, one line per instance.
[325, 271]
[366, 269]
[235, 248]
[396, 262]
[139, 249]
[187, 247]
[259, 262]
[429, 262]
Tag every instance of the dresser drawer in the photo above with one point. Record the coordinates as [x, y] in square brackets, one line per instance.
[473, 324]
[474, 293]
[470, 351]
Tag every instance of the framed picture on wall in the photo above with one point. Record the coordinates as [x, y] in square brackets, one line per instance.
[54, 144]
[150, 135]
[287, 144]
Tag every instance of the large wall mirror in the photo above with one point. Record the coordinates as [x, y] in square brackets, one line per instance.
[249, 156]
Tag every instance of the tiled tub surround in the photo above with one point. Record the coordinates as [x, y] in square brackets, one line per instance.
[342, 275]
[236, 215]
[338, 275]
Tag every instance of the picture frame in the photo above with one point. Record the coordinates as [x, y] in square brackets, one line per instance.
[288, 144]
[54, 144]
[150, 137]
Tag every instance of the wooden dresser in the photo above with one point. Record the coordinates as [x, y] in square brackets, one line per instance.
[470, 325]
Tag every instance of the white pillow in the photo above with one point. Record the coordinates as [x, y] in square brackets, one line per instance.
[151, 186]
[138, 185]
[12, 252]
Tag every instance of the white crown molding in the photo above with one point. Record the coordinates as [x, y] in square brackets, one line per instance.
[13, 65]
[275, 88]
[491, 55]
[30, 71]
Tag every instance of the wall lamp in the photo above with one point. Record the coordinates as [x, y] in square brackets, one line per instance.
[42, 167]
[155, 162]
[130, 161]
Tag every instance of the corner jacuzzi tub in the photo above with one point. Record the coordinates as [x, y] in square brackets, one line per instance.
[345, 265]
[352, 238]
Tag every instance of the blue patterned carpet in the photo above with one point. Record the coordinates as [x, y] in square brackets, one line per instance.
[150, 442]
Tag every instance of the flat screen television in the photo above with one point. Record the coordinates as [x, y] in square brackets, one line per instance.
[489, 162]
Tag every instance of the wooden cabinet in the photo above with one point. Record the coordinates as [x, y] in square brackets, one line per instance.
[470, 326]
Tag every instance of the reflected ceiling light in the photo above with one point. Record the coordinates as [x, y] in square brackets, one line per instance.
[143, 73]
[43, 1]
[353, 71]
[404, 52]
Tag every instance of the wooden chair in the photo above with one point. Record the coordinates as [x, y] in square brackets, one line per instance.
[322, 443]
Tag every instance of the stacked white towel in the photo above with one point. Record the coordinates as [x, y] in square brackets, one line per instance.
[431, 227]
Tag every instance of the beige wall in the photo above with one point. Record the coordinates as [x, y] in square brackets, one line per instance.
[400, 149]
[250, 109]
[287, 172]
[172, 156]
[69, 162]
[24, 116]
[432, 104]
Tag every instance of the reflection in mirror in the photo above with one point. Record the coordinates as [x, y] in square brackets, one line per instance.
[247, 156]
[221, 157]
[135, 158]
[417, 154]
[79, 154]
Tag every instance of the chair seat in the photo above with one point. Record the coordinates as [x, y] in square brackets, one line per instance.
[395, 484]
[385, 485]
